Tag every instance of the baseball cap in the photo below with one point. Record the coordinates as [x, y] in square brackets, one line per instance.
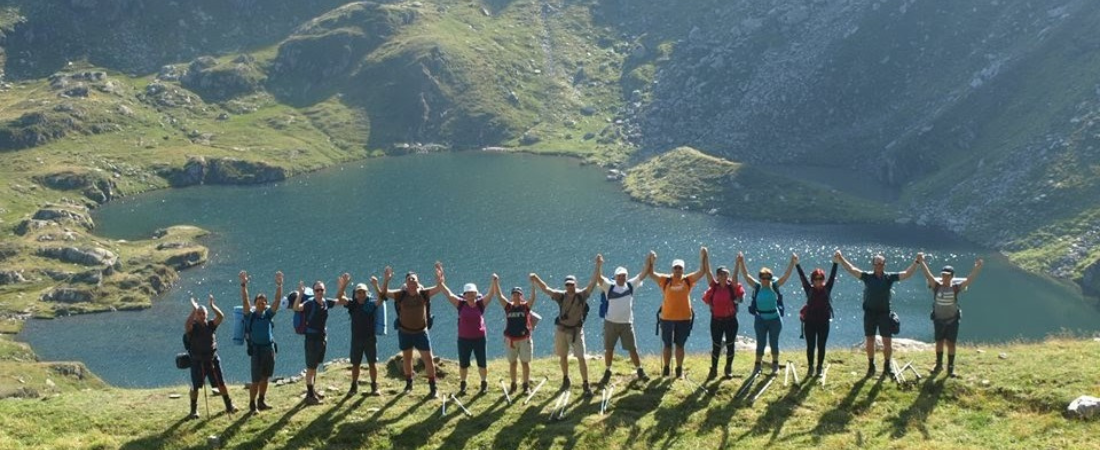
[361, 287]
[948, 269]
[721, 269]
[517, 289]
[678, 262]
[570, 279]
[620, 271]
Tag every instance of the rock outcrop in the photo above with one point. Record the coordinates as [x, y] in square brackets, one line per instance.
[68, 295]
[94, 256]
[199, 170]
[219, 82]
[1090, 281]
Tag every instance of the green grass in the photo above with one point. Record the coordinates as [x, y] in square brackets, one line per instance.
[1015, 402]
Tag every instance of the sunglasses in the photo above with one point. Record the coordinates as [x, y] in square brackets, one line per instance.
[319, 290]
[765, 277]
[817, 279]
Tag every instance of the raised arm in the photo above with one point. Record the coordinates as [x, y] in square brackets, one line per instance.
[494, 291]
[536, 281]
[301, 295]
[274, 305]
[218, 316]
[931, 279]
[832, 278]
[653, 275]
[745, 271]
[848, 267]
[451, 297]
[909, 271]
[378, 297]
[245, 303]
[341, 288]
[532, 297]
[706, 269]
[783, 279]
[973, 274]
[703, 267]
[596, 275]
[439, 280]
[802, 276]
[191, 317]
[385, 291]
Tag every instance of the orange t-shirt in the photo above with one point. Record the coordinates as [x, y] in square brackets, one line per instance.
[676, 304]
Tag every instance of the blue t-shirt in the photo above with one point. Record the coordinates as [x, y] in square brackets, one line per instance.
[258, 326]
[767, 300]
[876, 290]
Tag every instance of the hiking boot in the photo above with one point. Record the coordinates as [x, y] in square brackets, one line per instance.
[194, 415]
[713, 373]
[353, 390]
[679, 372]
[461, 389]
[775, 367]
[871, 370]
[526, 388]
[938, 368]
[408, 385]
[587, 389]
[820, 372]
[484, 387]
[951, 372]
[889, 370]
[606, 377]
[512, 387]
[729, 373]
[431, 391]
[664, 371]
[262, 406]
[810, 372]
[565, 384]
[641, 375]
[312, 400]
[252, 409]
[756, 368]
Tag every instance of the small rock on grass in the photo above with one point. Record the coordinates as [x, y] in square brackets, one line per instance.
[173, 396]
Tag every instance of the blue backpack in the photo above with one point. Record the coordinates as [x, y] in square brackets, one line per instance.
[604, 300]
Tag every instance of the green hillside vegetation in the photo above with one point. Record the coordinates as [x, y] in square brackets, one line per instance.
[687, 178]
[1008, 396]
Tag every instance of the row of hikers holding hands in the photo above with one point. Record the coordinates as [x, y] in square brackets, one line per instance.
[723, 296]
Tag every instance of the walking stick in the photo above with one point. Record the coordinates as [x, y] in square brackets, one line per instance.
[504, 388]
[533, 391]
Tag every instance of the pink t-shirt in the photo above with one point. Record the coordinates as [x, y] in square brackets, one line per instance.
[471, 320]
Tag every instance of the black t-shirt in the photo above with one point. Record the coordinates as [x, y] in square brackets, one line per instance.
[203, 341]
[362, 318]
[316, 321]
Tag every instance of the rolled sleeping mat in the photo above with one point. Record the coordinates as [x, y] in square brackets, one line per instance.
[380, 319]
[535, 318]
[238, 325]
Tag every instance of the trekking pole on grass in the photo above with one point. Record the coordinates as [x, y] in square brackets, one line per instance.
[747, 386]
[504, 388]
[565, 405]
[444, 412]
[558, 404]
[915, 373]
[824, 373]
[894, 368]
[763, 389]
[460, 405]
[205, 399]
[533, 391]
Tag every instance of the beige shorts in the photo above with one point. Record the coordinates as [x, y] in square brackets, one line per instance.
[618, 331]
[518, 350]
[563, 339]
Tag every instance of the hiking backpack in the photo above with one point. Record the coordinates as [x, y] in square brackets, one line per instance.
[605, 302]
[780, 308]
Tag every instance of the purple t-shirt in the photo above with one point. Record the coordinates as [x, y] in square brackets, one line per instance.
[471, 320]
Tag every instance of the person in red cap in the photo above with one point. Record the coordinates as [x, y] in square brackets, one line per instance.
[945, 309]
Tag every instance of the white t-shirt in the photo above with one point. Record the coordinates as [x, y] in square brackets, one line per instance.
[621, 309]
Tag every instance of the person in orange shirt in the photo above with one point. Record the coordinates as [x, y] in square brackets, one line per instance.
[676, 316]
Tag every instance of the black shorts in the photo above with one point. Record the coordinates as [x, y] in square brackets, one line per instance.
[946, 330]
[263, 362]
[315, 350]
[360, 347]
[468, 346]
[877, 323]
[210, 369]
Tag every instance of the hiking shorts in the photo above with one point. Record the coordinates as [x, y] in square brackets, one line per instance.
[675, 332]
[624, 332]
[877, 323]
[518, 350]
[315, 349]
[360, 347]
[263, 362]
[474, 346]
[946, 330]
[563, 339]
[210, 369]
[420, 341]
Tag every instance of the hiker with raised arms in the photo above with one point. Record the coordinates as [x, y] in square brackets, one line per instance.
[573, 309]
[205, 363]
[315, 317]
[816, 314]
[412, 301]
[767, 306]
[260, 338]
[471, 330]
[361, 311]
[877, 291]
[676, 316]
[618, 324]
[945, 309]
[518, 345]
[722, 296]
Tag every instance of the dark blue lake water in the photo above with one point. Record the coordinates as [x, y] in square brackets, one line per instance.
[481, 213]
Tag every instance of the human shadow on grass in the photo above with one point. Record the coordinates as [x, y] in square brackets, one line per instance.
[625, 410]
[481, 421]
[514, 435]
[836, 420]
[918, 412]
[780, 410]
[669, 419]
[356, 433]
[157, 441]
[719, 417]
[322, 425]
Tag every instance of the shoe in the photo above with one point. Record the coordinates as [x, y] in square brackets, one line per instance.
[408, 386]
[353, 390]
[565, 384]
[461, 389]
[889, 370]
[484, 387]
[775, 367]
[664, 371]
[312, 400]
[870, 371]
[641, 375]
[252, 409]
[192, 416]
[756, 368]
[231, 409]
[587, 389]
[512, 387]
[606, 377]
[263, 406]
[432, 393]
[526, 388]
[679, 372]
[951, 372]
[938, 368]
[810, 373]
[819, 372]
[729, 371]
[713, 373]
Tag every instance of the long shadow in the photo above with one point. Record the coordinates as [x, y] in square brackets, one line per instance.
[352, 433]
[577, 410]
[719, 417]
[156, 441]
[523, 428]
[922, 407]
[481, 421]
[670, 418]
[779, 411]
[320, 426]
[836, 420]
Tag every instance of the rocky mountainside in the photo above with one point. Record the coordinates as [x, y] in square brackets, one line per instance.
[977, 117]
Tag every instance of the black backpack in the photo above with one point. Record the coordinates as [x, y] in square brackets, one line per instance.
[781, 309]
[183, 359]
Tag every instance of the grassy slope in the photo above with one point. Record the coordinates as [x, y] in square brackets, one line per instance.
[1014, 402]
[686, 177]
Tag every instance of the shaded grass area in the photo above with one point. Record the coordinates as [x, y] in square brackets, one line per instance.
[1008, 396]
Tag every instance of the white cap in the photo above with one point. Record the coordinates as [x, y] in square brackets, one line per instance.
[469, 287]
[678, 262]
[620, 271]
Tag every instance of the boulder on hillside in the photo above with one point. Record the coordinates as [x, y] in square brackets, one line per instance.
[899, 344]
[1090, 280]
[54, 216]
[219, 82]
[191, 258]
[97, 187]
[235, 171]
[11, 277]
[1084, 407]
[68, 295]
[395, 368]
[94, 256]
